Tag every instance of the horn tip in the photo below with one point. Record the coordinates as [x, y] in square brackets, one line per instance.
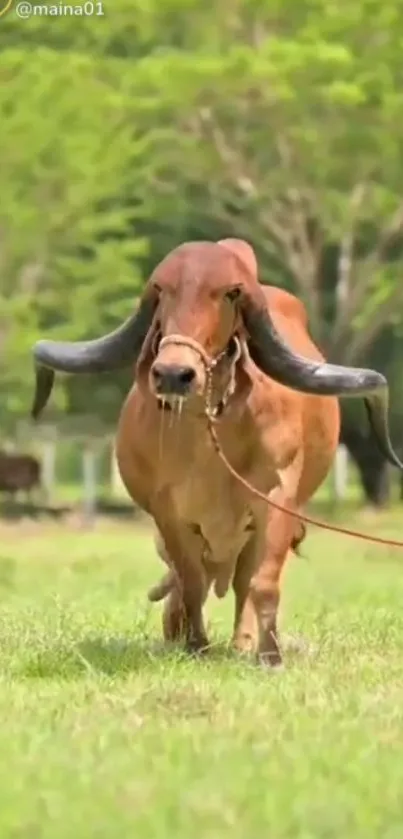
[44, 384]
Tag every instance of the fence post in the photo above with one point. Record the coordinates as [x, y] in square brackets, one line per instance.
[115, 481]
[89, 483]
[118, 488]
[340, 473]
[49, 469]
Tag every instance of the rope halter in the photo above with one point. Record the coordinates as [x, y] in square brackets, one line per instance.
[210, 363]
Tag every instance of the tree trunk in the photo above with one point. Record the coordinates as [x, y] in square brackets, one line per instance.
[373, 468]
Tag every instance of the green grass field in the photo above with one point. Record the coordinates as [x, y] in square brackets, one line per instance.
[106, 734]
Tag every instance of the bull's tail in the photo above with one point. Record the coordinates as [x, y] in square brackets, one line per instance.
[163, 588]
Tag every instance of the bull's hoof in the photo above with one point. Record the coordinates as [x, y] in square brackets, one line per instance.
[244, 645]
[197, 646]
[173, 628]
[271, 661]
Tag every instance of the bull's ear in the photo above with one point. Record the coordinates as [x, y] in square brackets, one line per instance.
[243, 252]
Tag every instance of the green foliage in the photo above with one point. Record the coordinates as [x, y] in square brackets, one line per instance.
[69, 154]
[124, 134]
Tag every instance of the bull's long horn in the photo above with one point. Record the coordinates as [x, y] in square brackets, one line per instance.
[277, 360]
[119, 348]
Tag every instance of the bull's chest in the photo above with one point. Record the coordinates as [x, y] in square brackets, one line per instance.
[208, 498]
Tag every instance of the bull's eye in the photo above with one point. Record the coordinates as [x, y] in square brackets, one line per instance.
[233, 294]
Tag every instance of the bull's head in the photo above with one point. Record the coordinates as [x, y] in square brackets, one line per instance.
[197, 299]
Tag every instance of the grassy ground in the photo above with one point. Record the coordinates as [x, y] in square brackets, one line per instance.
[104, 734]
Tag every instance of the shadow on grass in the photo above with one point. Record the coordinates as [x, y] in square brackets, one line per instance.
[119, 657]
[112, 657]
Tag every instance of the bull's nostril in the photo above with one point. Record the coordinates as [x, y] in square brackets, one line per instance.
[157, 374]
[172, 378]
[186, 375]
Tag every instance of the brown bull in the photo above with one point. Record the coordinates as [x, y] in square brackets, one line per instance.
[207, 335]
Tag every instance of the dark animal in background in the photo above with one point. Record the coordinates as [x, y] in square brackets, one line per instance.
[19, 473]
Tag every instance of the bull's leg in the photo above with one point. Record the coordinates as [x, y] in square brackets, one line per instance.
[168, 588]
[183, 616]
[245, 634]
[174, 619]
[161, 589]
[264, 591]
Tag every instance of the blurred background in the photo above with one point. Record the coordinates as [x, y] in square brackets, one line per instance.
[123, 135]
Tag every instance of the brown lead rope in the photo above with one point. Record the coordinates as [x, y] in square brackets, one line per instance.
[307, 519]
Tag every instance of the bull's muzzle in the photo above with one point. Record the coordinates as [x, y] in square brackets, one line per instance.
[172, 379]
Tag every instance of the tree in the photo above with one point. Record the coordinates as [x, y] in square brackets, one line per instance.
[69, 259]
